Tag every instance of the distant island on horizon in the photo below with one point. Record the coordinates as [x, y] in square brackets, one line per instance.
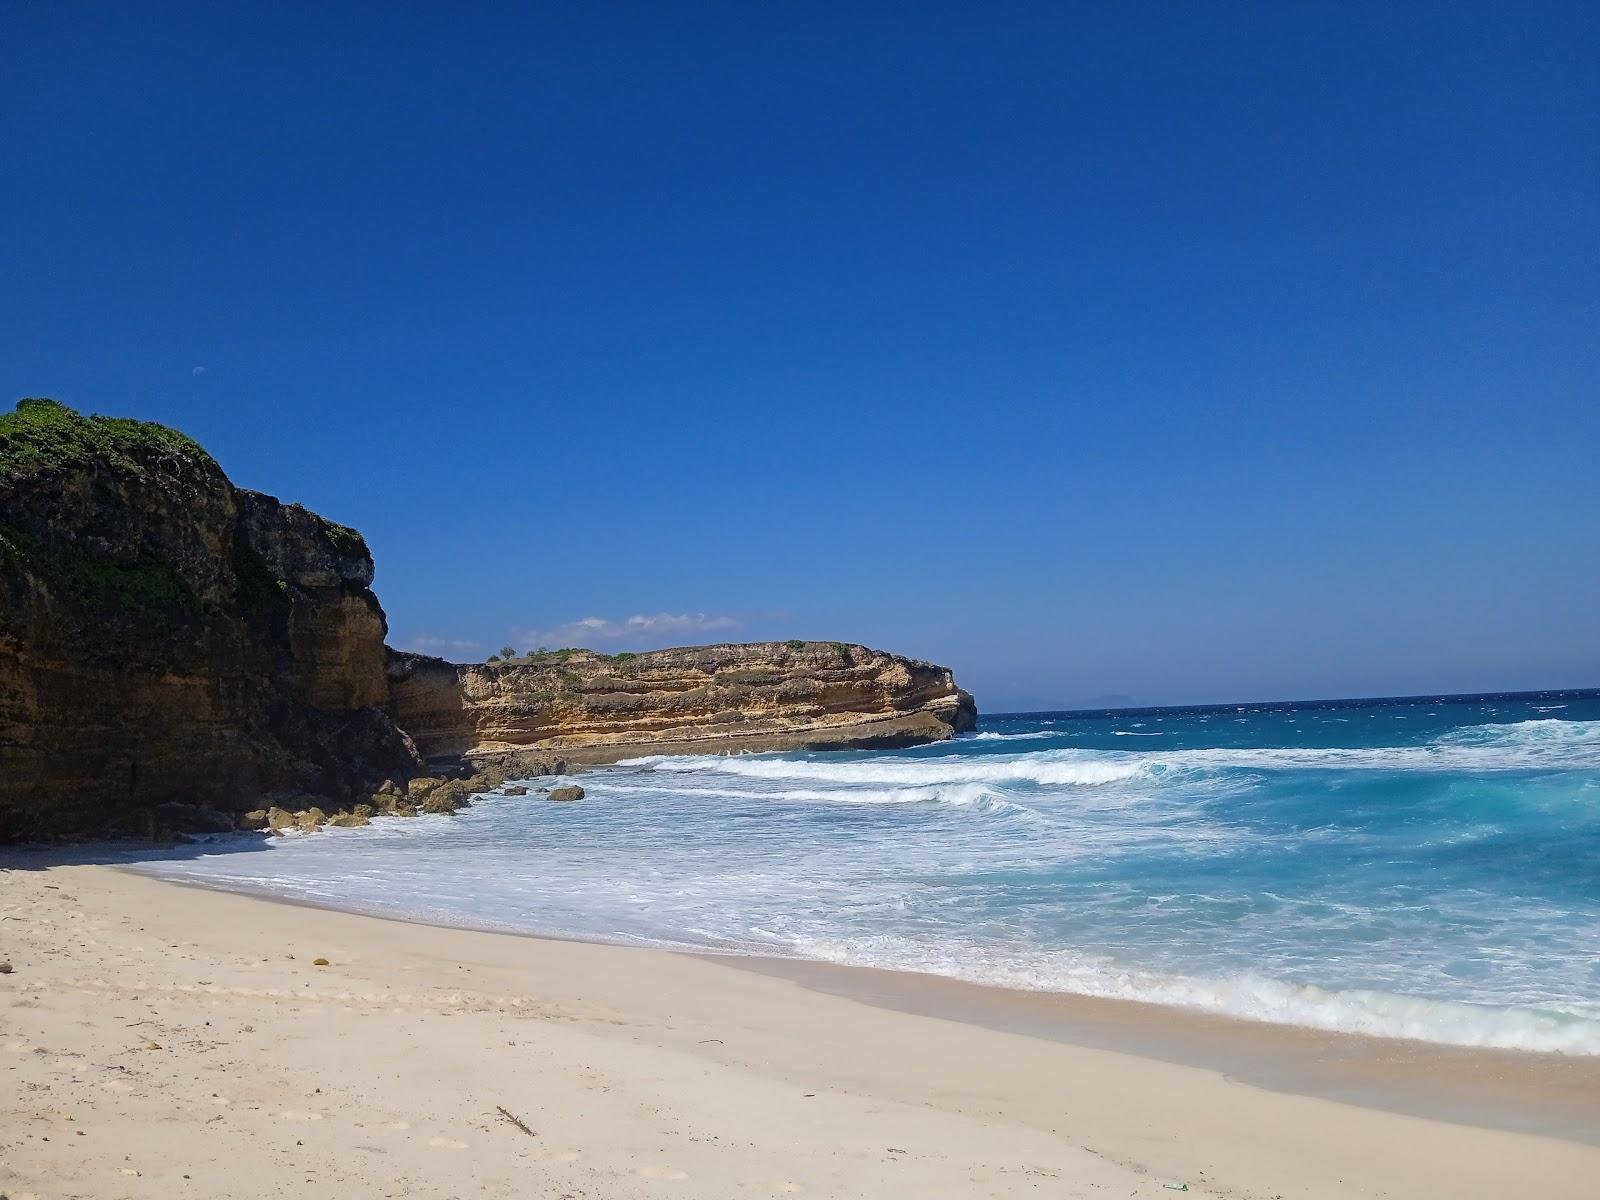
[1280, 705]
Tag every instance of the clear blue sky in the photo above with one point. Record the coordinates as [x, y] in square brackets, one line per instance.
[1183, 352]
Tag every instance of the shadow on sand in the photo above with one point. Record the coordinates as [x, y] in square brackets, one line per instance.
[131, 852]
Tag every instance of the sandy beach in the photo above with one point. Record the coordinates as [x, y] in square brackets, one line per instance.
[162, 1041]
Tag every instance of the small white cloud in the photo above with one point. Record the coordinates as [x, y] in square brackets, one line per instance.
[428, 643]
[196, 372]
[639, 629]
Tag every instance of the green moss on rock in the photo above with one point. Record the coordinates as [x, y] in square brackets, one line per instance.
[148, 590]
[345, 540]
[43, 434]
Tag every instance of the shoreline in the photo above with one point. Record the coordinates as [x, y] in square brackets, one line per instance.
[641, 1069]
[1546, 1093]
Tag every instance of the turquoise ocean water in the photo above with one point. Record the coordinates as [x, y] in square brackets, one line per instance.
[1426, 868]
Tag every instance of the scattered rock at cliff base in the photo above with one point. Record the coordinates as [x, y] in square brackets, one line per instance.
[487, 778]
[313, 818]
[566, 794]
[422, 785]
[514, 790]
[349, 820]
[279, 819]
[389, 791]
[518, 764]
[448, 797]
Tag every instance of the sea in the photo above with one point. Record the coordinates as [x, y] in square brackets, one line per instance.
[1424, 868]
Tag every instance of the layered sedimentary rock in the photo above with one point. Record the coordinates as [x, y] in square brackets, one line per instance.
[763, 695]
[167, 638]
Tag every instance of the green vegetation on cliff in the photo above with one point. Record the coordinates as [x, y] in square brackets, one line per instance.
[147, 591]
[41, 434]
[345, 540]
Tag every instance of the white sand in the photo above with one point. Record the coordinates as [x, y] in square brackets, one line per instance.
[164, 1042]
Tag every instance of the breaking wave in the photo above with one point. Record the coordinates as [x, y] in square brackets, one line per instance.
[1528, 745]
[1427, 877]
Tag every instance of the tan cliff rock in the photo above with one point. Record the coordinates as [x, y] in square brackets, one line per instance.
[755, 696]
[169, 639]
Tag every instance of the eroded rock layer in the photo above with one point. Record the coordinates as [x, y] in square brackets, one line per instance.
[759, 696]
[167, 638]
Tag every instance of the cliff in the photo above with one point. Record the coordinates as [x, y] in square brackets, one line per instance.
[759, 696]
[178, 653]
[169, 639]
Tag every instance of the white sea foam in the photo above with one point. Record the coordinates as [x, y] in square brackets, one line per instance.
[991, 863]
[1528, 745]
[1252, 997]
[1067, 767]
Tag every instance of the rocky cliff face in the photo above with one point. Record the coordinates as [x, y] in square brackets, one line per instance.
[764, 695]
[176, 652]
[168, 638]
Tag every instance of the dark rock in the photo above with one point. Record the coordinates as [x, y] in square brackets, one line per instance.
[220, 645]
[190, 818]
[566, 794]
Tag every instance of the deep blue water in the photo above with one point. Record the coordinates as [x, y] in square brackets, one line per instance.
[1425, 868]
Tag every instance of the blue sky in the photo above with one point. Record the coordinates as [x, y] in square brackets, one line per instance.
[1179, 352]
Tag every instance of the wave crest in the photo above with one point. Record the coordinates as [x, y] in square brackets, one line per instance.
[1528, 745]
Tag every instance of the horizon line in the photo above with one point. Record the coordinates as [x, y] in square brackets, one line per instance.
[1222, 706]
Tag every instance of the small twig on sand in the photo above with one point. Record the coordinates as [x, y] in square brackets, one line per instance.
[515, 1121]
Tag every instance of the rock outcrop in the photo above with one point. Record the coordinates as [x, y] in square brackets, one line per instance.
[178, 654]
[758, 696]
[169, 639]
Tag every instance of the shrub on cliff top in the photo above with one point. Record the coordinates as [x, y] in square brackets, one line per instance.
[346, 541]
[46, 433]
